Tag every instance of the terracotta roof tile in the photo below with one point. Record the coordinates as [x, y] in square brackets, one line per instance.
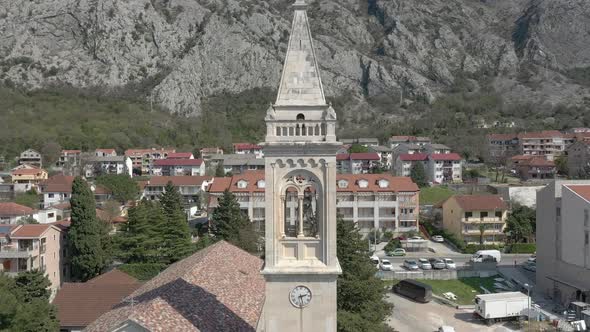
[216, 289]
[29, 230]
[413, 156]
[58, 184]
[220, 184]
[445, 156]
[246, 146]
[480, 202]
[107, 151]
[28, 171]
[136, 152]
[79, 304]
[13, 209]
[541, 134]
[178, 180]
[178, 162]
[582, 190]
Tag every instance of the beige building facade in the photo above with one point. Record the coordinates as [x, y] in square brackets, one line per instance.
[465, 215]
[563, 241]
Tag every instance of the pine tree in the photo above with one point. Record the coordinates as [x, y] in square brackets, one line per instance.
[360, 293]
[176, 233]
[418, 174]
[34, 285]
[231, 224]
[219, 171]
[84, 236]
[140, 240]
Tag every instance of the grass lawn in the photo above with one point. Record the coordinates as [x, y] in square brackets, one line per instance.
[433, 195]
[465, 288]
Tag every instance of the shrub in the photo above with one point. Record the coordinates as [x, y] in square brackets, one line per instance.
[387, 235]
[142, 271]
[522, 248]
[473, 248]
[392, 244]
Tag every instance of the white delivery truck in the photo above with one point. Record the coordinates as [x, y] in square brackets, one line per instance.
[501, 306]
[483, 255]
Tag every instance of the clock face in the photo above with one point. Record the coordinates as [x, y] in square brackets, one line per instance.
[300, 296]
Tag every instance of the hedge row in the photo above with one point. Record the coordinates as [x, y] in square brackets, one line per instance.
[473, 248]
[522, 248]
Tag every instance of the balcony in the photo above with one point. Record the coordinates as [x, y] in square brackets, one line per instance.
[407, 216]
[477, 220]
[13, 252]
[488, 231]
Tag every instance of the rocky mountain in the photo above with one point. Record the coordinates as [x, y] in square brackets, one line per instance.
[177, 52]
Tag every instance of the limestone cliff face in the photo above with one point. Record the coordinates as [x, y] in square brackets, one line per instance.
[176, 52]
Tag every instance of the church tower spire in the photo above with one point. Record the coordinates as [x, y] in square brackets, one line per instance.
[301, 267]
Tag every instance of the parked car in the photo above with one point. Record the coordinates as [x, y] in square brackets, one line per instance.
[416, 238]
[437, 263]
[375, 260]
[386, 265]
[449, 264]
[438, 238]
[530, 266]
[424, 264]
[533, 258]
[397, 252]
[411, 264]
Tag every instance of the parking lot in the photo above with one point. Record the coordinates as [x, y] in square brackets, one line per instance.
[428, 317]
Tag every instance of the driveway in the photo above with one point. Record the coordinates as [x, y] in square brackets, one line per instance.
[412, 316]
[442, 249]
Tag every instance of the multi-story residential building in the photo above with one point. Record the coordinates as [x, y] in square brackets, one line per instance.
[56, 189]
[178, 167]
[445, 168]
[248, 148]
[357, 163]
[26, 177]
[550, 143]
[367, 142]
[405, 162]
[502, 147]
[532, 167]
[578, 160]
[190, 187]
[563, 241]
[386, 155]
[181, 155]
[12, 213]
[207, 153]
[237, 163]
[466, 216]
[436, 148]
[372, 201]
[28, 247]
[142, 159]
[105, 153]
[30, 157]
[397, 140]
[69, 158]
[108, 165]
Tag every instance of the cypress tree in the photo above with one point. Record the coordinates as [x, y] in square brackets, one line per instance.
[141, 239]
[231, 224]
[84, 236]
[418, 174]
[176, 233]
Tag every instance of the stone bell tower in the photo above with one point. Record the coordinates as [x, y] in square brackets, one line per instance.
[301, 266]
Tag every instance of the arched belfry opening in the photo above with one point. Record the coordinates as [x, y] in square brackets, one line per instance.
[300, 116]
[301, 205]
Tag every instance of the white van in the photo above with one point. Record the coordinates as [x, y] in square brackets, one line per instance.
[481, 255]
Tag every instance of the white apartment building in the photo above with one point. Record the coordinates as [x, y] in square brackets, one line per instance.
[372, 201]
[563, 241]
[550, 143]
[108, 165]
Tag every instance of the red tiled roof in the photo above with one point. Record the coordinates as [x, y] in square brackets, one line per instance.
[246, 146]
[177, 180]
[79, 304]
[27, 171]
[133, 152]
[413, 156]
[541, 134]
[219, 288]
[107, 151]
[71, 151]
[502, 137]
[180, 155]
[220, 184]
[582, 190]
[358, 156]
[537, 161]
[210, 150]
[13, 209]
[480, 202]
[521, 157]
[445, 156]
[30, 230]
[58, 184]
[178, 162]
[64, 225]
[396, 183]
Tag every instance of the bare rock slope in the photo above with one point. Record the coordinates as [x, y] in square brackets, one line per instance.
[175, 52]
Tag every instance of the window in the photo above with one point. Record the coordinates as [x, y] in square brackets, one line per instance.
[498, 214]
[483, 214]
[342, 184]
[242, 184]
[50, 215]
[261, 184]
[558, 211]
[383, 183]
[300, 116]
[363, 183]
[586, 238]
[468, 215]
[50, 195]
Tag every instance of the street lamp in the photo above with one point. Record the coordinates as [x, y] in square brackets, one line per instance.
[528, 314]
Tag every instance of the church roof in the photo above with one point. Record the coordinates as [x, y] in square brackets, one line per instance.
[301, 84]
[219, 288]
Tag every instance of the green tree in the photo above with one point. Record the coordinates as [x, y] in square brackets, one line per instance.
[176, 232]
[123, 187]
[27, 220]
[418, 174]
[29, 198]
[85, 242]
[219, 171]
[34, 285]
[561, 165]
[357, 148]
[24, 307]
[231, 224]
[521, 224]
[361, 305]
[482, 229]
[140, 239]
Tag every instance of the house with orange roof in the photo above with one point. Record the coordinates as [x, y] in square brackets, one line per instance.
[56, 189]
[34, 247]
[371, 201]
[105, 153]
[26, 177]
[190, 187]
[248, 148]
[533, 167]
[142, 159]
[547, 143]
[11, 213]
[466, 216]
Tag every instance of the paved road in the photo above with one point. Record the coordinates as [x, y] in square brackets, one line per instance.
[411, 316]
